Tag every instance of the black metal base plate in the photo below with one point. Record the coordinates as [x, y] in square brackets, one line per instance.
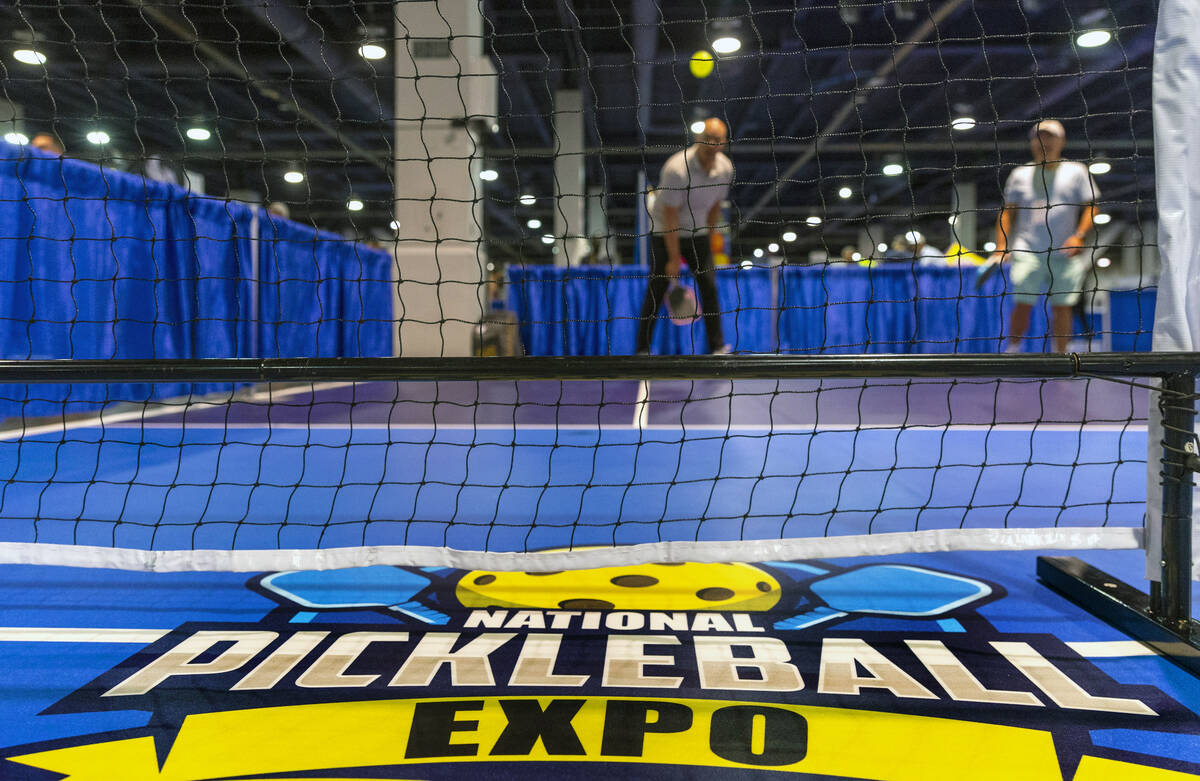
[1121, 605]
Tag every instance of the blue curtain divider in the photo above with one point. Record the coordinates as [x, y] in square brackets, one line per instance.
[593, 310]
[96, 263]
[1133, 319]
[897, 308]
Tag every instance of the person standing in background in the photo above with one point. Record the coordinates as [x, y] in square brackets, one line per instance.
[1048, 209]
[687, 206]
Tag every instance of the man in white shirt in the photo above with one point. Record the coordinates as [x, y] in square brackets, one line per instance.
[1048, 209]
[916, 248]
[687, 205]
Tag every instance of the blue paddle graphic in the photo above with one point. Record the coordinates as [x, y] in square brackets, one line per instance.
[376, 586]
[888, 589]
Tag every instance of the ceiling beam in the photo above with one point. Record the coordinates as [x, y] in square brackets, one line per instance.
[309, 40]
[185, 32]
[839, 119]
[645, 53]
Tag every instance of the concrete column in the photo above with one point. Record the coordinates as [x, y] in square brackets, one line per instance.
[570, 194]
[440, 257]
[641, 241]
[600, 238]
[965, 204]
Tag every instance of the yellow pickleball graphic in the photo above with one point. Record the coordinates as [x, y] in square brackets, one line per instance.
[692, 586]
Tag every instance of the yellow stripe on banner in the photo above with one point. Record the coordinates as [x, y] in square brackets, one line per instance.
[320, 737]
[1097, 769]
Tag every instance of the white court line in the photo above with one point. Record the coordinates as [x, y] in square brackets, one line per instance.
[37, 634]
[156, 409]
[641, 409]
[1108, 649]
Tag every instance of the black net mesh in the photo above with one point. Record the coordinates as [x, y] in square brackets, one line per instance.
[356, 179]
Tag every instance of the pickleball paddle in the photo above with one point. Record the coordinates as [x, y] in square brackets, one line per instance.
[887, 589]
[365, 587]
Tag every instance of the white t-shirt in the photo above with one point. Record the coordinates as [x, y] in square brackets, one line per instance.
[931, 256]
[689, 187]
[1048, 203]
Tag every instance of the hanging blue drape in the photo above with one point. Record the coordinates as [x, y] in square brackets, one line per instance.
[1133, 319]
[95, 263]
[593, 310]
[898, 308]
[886, 308]
[320, 295]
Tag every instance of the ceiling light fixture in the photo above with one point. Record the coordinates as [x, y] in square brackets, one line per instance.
[726, 44]
[372, 51]
[29, 56]
[1093, 38]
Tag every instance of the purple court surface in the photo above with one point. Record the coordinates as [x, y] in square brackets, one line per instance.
[761, 403]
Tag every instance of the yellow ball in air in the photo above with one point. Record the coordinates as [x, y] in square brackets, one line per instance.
[702, 64]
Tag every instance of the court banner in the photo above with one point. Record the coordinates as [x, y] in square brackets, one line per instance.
[814, 669]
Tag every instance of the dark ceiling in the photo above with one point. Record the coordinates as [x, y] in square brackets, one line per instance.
[817, 97]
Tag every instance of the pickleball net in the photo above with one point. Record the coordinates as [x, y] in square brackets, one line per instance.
[542, 464]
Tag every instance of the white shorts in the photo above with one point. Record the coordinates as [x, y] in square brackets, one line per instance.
[1034, 274]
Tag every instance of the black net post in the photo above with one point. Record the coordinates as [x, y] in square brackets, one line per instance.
[1161, 619]
[1173, 597]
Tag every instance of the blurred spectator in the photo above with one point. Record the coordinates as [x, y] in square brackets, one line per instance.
[496, 281]
[898, 250]
[916, 248]
[49, 143]
[160, 170]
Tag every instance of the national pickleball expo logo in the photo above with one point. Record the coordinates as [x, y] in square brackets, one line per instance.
[882, 671]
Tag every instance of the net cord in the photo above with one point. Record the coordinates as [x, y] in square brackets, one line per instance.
[891, 543]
